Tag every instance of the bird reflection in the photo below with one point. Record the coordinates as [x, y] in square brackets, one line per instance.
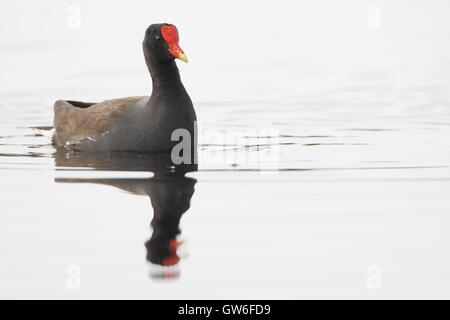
[170, 193]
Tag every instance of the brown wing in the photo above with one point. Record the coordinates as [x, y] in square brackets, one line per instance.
[75, 121]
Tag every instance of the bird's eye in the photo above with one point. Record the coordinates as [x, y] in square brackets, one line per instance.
[158, 38]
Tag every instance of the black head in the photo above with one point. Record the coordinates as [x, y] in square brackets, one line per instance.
[161, 43]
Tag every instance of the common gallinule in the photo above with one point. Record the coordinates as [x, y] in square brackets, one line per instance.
[142, 124]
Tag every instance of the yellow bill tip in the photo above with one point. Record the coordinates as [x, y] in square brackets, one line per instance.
[183, 57]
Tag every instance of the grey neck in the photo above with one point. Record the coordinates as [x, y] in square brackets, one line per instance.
[165, 76]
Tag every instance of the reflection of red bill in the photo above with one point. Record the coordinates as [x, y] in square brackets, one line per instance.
[171, 275]
[170, 35]
[173, 259]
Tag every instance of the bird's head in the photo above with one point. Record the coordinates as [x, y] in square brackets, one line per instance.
[161, 42]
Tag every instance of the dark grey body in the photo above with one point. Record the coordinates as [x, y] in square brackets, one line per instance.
[142, 124]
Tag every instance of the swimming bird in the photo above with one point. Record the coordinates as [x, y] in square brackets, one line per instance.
[143, 124]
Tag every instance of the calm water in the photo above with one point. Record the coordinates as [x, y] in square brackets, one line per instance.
[314, 179]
